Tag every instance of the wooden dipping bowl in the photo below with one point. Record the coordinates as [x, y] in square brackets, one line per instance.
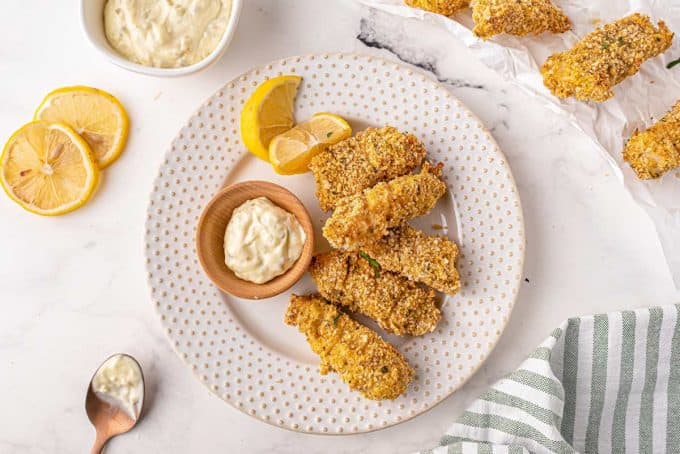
[210, 238]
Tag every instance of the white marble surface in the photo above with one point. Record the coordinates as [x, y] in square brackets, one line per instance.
[73, 289]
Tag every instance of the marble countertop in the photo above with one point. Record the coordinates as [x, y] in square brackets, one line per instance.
[73, 289]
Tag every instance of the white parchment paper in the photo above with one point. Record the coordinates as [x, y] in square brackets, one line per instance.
[638, 102]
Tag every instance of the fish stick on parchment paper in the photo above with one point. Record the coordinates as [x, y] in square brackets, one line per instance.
[358, 354]
[517, 17]
[445, 7]
[605, 57]
[656, 150]
[366, 217]
[355, 281]
[430, 260]
[358, 163]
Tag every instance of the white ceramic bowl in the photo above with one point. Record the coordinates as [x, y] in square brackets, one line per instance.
[92, 19]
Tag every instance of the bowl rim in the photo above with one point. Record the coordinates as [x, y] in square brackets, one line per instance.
[285, 281]
[120, 61]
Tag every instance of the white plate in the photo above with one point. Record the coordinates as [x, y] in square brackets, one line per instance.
[241, 350]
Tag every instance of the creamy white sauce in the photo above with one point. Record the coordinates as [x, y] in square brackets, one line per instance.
[262, 241]
[165, 33]
[119, 382]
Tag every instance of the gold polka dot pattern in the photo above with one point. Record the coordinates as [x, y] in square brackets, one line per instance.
[260, 381]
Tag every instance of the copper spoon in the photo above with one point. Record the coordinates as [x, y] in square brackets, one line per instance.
[108, 418]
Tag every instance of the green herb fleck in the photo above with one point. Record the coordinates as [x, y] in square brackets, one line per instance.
[605, 46]
[673, 63]
[622, 42]
[371, 261]
[329, 134]
[335, 319]
[384, 369]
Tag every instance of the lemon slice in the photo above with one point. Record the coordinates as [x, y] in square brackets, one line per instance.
[48, 169]
[94, 114]
[268, 112]
[291, 151]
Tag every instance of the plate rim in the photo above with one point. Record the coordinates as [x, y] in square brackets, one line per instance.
[513, 188]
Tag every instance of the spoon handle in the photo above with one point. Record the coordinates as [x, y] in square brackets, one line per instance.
[99, 443]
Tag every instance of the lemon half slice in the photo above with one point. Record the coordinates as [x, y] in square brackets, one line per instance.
[291, 151]
[268, 112]
[48, 169]
[94, 114]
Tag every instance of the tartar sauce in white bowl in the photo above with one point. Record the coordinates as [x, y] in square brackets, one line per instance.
[165, 34]
[93, 22]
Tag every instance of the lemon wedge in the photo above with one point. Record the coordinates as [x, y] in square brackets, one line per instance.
[291, 151]
[48, 169]
[268, 112]
[94, 114]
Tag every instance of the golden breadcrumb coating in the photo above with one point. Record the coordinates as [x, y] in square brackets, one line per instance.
[358, 163]
[604, 58]
[655, 151]
[517, 17]
[445, 7]
[430, 260]
[363, 359]
[364, 218]
[396, 303]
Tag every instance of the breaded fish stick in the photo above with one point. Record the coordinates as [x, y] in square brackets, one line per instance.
[364, 218]
[604, 58]
[358, 163]
[445, 7]
[655, 151]
[430, 260]
[396, 303]
[363, 359]
[517, 17]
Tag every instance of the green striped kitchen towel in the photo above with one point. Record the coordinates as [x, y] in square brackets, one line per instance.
[599, 384]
